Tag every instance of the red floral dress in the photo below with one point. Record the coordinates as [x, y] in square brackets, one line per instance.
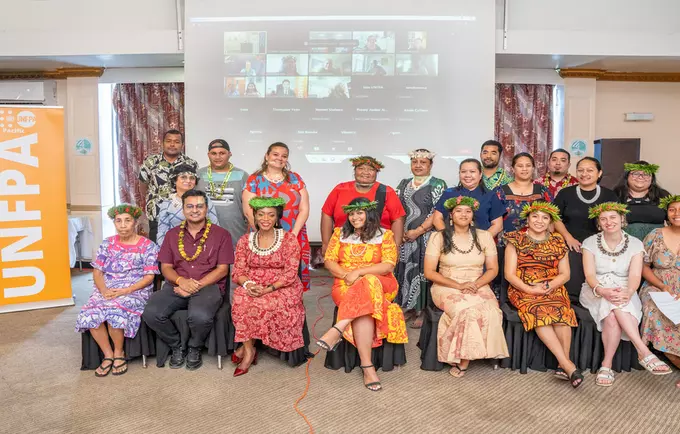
[275, 318]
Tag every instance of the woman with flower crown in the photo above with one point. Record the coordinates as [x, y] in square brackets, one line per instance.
[361, 255]
[124, 270]
[461, 261]
[536, 267]
[267, 303]
[662, 273]
[612, 262]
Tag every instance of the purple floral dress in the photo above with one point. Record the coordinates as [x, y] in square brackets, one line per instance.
[123, 265]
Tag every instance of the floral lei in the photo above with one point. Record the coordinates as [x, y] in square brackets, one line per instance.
[201, 243]
[565, 181]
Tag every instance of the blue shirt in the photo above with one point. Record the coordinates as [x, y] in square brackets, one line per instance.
[490, 206]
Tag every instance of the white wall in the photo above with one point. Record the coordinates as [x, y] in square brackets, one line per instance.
[143, 75]
[587, 27]
[87, 27]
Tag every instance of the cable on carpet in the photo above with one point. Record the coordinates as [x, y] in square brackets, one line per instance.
[309, 361]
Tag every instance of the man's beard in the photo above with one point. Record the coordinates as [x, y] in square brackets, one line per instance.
[489, 165]
[558, 173]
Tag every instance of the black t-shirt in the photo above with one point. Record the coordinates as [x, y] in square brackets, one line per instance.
[574, 212]
[643, 210]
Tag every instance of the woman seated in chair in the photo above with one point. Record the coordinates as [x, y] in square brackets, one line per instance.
[612, 263]
[267, 303]
[662, 273]
[471, 326]
[536, 267]
[123, 274]
[361, 256]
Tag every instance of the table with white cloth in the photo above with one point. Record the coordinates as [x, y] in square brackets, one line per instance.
[80, 239]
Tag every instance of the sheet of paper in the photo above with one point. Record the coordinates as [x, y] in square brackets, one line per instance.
[668, 305]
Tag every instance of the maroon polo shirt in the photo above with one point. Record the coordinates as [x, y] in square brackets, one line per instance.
[217, 249]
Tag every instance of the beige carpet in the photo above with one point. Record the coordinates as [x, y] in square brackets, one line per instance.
[42, 390]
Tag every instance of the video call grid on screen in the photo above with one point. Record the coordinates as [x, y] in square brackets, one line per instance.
[331, 87]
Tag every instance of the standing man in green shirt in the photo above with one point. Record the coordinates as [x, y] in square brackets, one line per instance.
[493, 175]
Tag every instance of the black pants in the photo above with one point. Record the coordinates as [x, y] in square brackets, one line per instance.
[153, 230]
[201, 308]
[576, 277]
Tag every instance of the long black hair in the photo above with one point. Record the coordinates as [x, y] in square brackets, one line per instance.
[655, 193]
[598, 165]
[479, 167]
[448, 232]
[371, 226]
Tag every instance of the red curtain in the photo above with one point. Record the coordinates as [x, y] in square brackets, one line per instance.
[524, 121]
[144, 112]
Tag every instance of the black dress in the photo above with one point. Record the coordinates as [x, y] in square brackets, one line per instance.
[574, 211]
[645, 215]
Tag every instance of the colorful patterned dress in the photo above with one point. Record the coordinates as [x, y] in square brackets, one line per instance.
[275, 318]
[656, 328]
[514, 204]
[370, 294]
[536, 263]
[419, 203]
[471, 326]
[290, 191]
[123, 265]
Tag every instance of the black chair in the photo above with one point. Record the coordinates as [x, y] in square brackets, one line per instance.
[142, 345]
[386, 356]
[292, 358]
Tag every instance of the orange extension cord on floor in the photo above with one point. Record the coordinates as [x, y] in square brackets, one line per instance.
[321, 315]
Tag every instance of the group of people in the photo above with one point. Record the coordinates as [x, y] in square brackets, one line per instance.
[550, 242]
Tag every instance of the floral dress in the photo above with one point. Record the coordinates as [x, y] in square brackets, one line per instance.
[275, 318]
[123, 265]
[538, 262]
[514, 204]
[656, 328]
[419, 203]
[370, 294]
[289, 190]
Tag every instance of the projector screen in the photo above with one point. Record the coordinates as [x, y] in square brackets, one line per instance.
[333, 87]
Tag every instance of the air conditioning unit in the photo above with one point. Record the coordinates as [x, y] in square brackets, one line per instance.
[22, 92]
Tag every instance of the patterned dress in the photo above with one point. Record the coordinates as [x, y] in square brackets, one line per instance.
[123, 265]
[370, 294]
[290, 191]
[171, 214]
[656, 328]
[471, 326]
[275, 318]
[419, 203]
[514, 204]
[536, 263]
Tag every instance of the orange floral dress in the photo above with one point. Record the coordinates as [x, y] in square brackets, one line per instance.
[370, 294]
[538, 262]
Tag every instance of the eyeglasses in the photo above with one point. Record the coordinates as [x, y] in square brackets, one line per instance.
[640, 175]
[191, 207]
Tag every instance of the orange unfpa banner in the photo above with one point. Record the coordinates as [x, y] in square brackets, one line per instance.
[34, 271]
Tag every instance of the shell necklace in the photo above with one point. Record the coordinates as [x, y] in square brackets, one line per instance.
[254, 245]
[598, 190]
[612, 254]
[457, 249]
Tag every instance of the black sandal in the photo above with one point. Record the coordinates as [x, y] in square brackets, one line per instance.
[107, 369]
[122, 365]
[561, 374]
[375, 383]
[576, 378]
[321, 343]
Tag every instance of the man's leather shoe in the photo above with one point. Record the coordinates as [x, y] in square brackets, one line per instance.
[177, 358]
[194, 360]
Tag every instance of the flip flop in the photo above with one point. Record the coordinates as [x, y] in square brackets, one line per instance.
[122, 365]
[461, 371]
[106, 369]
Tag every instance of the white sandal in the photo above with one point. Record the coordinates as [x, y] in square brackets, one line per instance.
[604, 374]
[651, 363]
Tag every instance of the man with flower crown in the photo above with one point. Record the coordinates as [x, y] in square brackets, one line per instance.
[195, 258]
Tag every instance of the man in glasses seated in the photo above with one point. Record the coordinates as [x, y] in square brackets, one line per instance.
[195, 258]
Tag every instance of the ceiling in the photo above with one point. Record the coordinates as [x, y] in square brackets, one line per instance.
[105, 61]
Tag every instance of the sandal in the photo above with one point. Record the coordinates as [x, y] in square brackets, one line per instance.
[561, 374]
[321, 343]
[576, 378]
[461, 371]
[370, 386]
[107, 369]
[604, 375]
[122, 365]
[651, 363]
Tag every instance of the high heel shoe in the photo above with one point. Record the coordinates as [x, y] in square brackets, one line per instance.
[238, 371]
[324, 345]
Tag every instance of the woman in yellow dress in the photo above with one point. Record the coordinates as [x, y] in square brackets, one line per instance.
[471, 326]
[361, 256]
